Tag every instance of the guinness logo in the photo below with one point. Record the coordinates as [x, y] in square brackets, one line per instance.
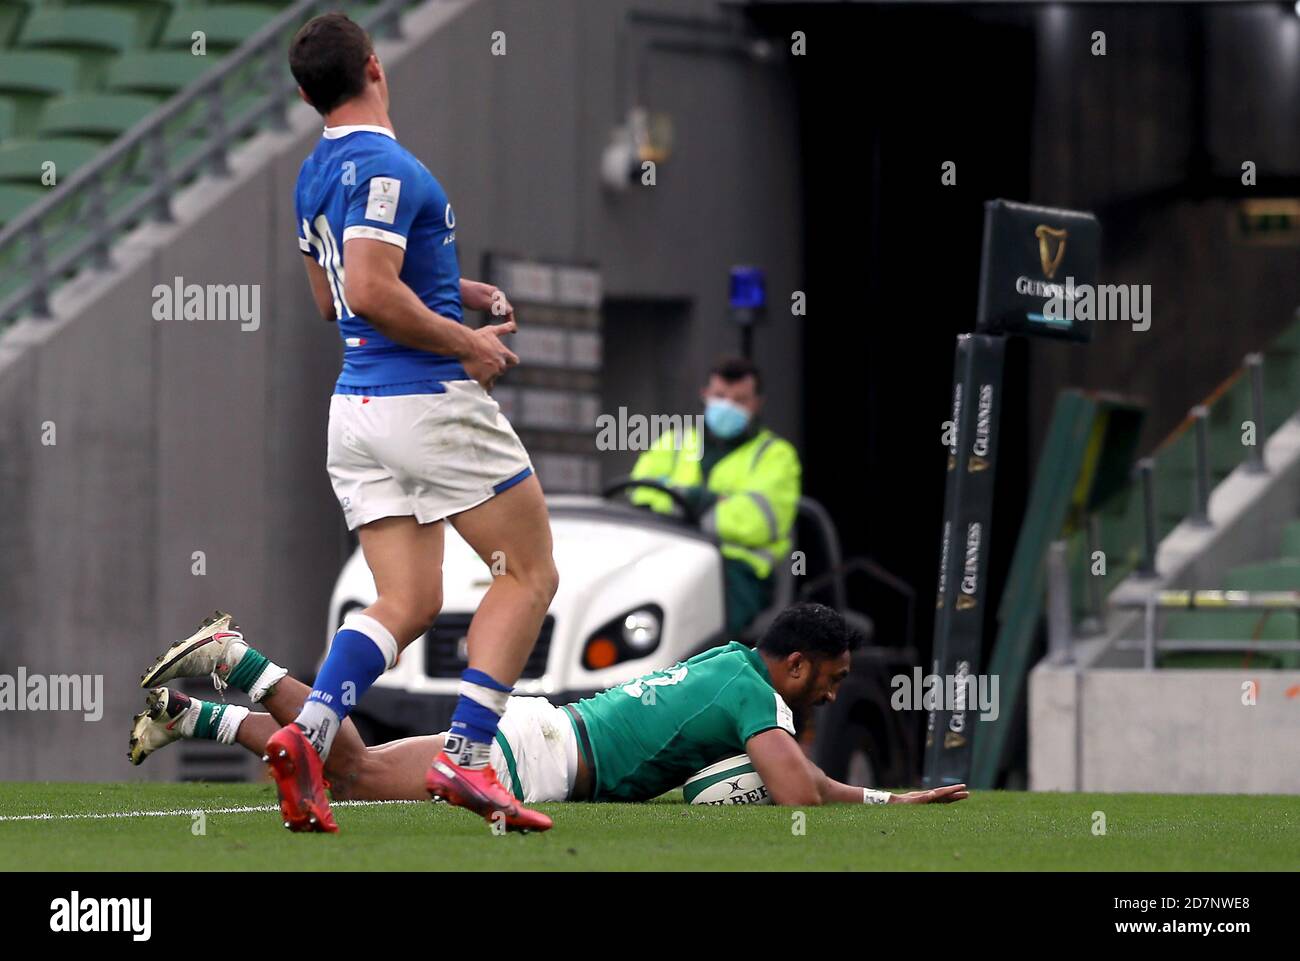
[952, 740]
[965, 602]
[976, 464]
[1045, 237]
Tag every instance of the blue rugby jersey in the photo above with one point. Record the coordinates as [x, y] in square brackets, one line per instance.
[360, 182]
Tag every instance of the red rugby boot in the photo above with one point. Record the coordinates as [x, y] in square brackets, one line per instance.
[478, 790]
[300, 781]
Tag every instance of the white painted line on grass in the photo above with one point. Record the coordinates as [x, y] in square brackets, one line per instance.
[186, 812]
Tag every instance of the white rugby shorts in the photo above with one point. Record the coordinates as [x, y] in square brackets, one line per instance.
[541, 754]
[422, 455]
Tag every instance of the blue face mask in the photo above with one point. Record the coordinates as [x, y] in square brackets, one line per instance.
[724, 418]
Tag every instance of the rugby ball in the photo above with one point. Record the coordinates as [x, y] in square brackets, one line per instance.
[730, 781]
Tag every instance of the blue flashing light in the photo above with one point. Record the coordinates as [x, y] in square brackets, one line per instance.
[748, 288]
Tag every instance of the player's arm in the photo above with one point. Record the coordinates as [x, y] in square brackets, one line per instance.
[320, 288]
[790, 777]
[835, 792]
[374, 290]
[794, 780]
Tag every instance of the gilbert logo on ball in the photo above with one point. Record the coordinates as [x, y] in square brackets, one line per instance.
[732, 780]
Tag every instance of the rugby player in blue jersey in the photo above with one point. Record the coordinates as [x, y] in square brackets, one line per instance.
[415, 439]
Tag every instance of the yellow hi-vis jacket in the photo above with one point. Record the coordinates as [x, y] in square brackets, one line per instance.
[757, 487]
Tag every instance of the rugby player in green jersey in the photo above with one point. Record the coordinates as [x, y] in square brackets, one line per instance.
[631, 742]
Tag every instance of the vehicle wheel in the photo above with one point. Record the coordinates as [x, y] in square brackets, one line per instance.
[860, 769]
[847, 749]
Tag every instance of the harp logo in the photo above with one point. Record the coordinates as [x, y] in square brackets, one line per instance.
[1046, 237]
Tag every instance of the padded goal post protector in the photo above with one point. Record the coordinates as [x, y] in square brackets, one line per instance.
[1035, 259]
[964, 552]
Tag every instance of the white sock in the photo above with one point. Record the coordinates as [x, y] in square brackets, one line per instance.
[231, 718]
[320, 724]
[226, 717]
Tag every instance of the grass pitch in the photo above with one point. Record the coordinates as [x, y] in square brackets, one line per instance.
[102, 827]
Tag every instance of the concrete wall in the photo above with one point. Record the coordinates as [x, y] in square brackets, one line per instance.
[1171, 731]
[175, 437]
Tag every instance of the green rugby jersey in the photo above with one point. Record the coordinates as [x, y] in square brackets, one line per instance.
[649, 735]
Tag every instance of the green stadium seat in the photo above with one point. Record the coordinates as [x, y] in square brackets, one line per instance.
[14, 200]
[21, 161]
[28, 78]
[149, 15]
[155, 71]
[1281, 388]
[1291, 540]
[224, 27]
[105, 115]
[12, 15]
[1289, 339]
[1227, 414]
[1281, 575]
[8, 119]
[1230, 625]
[94, 36]
[79, 28]
[34, 71]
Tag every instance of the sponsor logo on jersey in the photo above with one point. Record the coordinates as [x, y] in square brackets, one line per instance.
[382, 203]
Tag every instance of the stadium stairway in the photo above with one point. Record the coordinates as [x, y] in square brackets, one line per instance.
[1098, 721]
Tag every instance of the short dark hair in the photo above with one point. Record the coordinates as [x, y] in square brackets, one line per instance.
[812, 629]
[328, 59]
[732, 369]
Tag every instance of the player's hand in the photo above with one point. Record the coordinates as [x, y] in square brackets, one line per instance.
[499, 305]
[939, 795]
[476, 295]
[488, 358]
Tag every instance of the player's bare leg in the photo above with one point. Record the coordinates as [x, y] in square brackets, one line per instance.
[389, 772]
[352, 769]
[512, 535]
[219, 649]
[405, 558]
[386, 772]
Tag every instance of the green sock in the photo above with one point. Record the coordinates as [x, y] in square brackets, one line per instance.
[215, 722]
[245, 674]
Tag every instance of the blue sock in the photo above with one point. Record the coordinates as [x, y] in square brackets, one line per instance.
[474, 722]
[356, 660]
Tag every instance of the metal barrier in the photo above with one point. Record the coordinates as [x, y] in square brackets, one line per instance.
[1060, 639]
[188, 135]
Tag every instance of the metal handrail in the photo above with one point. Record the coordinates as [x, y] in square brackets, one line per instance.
[1198, 420]
[1215, 600]
[86, 186]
